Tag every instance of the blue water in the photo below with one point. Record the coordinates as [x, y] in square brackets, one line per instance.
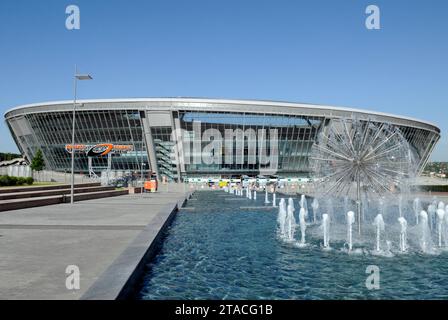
[219, 251]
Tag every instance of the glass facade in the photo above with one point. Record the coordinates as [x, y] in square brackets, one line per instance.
[244, 137]
[52, 132]
[180, 144]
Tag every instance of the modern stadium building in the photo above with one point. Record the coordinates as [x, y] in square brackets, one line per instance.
[170, 136]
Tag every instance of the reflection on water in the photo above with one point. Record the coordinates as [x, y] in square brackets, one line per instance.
[219, 251]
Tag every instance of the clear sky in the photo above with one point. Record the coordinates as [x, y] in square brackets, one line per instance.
[303, 51]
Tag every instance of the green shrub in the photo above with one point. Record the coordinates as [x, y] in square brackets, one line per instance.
[29, 181]
[8, 181]
[21, 181]
[12, 181]
[3, 181]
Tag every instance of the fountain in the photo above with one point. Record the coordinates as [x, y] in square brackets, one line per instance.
[432, 213]
[326, 230]
[360, 159]
[400, 205]
[304, 203]
[249, 194]
[315, 206]
[425, 240]
[274, 200]
[302, 223]
[281, 219]
[372, 166]
[382, 206]
[255, 194]
[403, 233]
[266, 197]
[440, 216]
[350, 222]
[379, 223]
[290, 223]
[445, 227]
[345, 209]
[417, 209]
[291, 203]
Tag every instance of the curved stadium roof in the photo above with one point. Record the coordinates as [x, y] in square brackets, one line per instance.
[223, 105]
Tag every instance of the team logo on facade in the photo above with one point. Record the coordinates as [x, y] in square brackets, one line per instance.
[98, 150]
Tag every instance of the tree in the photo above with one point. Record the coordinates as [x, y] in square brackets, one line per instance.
[38, 163]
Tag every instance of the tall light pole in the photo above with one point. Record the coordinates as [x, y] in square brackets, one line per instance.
[75, 79]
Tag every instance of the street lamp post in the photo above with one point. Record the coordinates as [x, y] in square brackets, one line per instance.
[75, 78]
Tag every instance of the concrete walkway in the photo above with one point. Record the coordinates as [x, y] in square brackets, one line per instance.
[37, 244]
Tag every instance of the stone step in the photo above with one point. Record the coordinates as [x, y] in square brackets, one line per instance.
[50, 187]
[14, 204]
[46, 193]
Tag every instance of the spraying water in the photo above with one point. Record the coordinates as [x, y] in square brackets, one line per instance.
[360, 159]
[315, 206]
[303, 202]
[266, 197]
[400, 205]
[403, 234]
[425, 241]
[290, 228]
[440, 216]
[350, 222]
[291, 203]
[346, 203]
[326, 230]
[302, 223]
[445, 227]
[434, 201]
[379, 223]
[281, 218]
[417, 208]
[274, 200]
[382, 206]
[431, 213]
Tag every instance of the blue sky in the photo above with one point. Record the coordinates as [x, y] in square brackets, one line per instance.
[303, 51]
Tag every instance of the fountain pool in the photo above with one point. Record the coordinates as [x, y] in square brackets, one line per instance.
[217, 251]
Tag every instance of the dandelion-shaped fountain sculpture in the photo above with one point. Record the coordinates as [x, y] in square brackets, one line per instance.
[351, 156]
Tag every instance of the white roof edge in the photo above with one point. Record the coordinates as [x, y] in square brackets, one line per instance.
[223, 101]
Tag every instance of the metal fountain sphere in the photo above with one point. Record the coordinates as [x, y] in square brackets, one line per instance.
[351, 157]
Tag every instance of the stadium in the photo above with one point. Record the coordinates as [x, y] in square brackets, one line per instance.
[172, 136]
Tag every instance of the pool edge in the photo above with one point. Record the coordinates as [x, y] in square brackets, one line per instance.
[121, 278]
